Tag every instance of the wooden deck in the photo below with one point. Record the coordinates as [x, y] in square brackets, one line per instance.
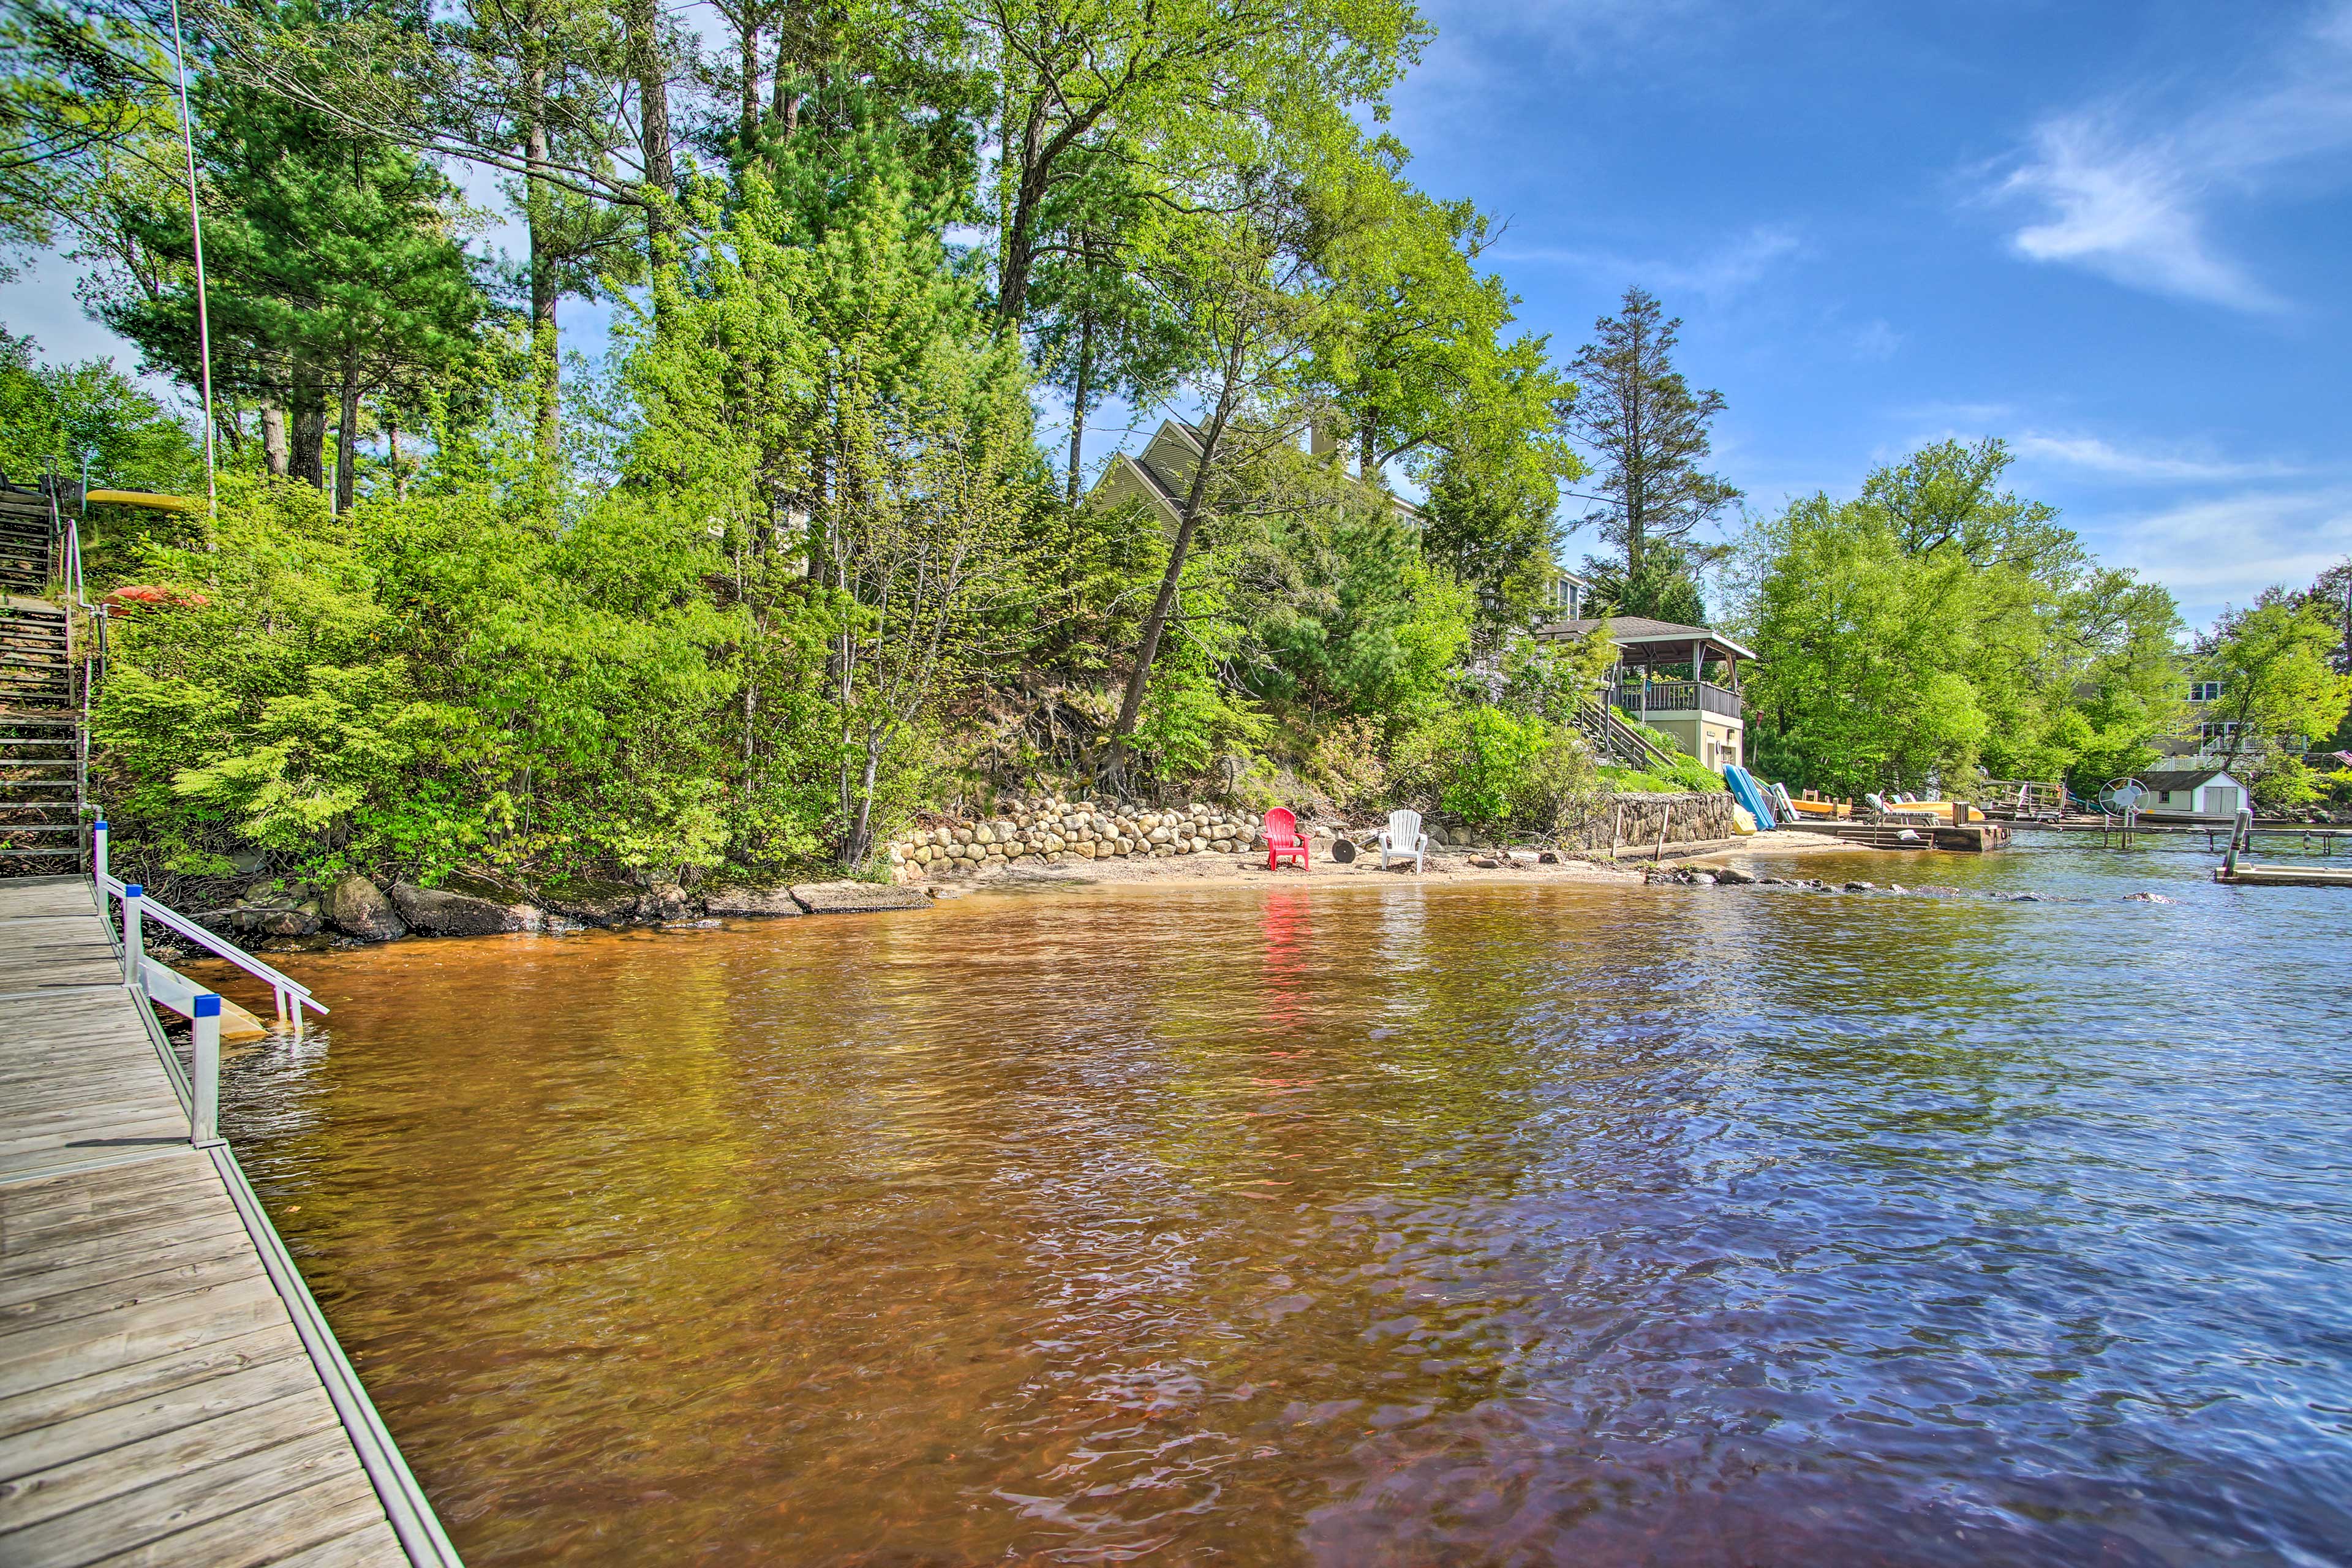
[158, 1402]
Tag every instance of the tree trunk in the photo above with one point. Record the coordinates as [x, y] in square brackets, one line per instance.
[273, 438]
[642, 21]
[1020, 230]
[1078, 404]
[545, 369]
[306, 459]
[1195, 498]
[347, 435]
[784, 102]
[392, 456]
[748, 111]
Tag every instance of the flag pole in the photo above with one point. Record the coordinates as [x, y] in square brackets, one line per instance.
[196, 229]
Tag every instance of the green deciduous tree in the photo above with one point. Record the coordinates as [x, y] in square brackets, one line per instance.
[56, 415]
[2279, 687]
[1936, 622]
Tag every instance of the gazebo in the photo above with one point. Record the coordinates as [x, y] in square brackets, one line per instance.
[1704, 718]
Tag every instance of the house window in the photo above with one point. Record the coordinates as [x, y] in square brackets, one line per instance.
[2216, 729]
[2204, 691]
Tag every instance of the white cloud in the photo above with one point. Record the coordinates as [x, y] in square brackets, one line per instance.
[1876, 340]
[2097, 456]
[1731, 267]
[2129, 190]
[2230, 548]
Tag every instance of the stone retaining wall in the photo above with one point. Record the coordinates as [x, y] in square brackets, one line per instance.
[1633, 819]
[1056, 830]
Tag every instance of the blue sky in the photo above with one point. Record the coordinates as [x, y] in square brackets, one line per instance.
[2116, 235]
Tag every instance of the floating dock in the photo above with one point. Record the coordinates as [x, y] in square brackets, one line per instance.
[1974, 837]
[169, 1392]
[2283, 876]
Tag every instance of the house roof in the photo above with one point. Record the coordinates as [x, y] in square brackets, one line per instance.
[1166, 487]
[1640, 634]
[2182, 778]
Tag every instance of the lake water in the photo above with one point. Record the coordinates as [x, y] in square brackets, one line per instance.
[1363, 1226]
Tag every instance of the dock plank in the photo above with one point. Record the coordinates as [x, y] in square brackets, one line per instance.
[157, 1404]
[115, 1425]
[115, 1387]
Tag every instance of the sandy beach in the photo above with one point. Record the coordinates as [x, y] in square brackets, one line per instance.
[1448, 865]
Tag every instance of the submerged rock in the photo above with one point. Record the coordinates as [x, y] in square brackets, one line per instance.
[463, 906]
[1862, 886]
[857, 898]
[751, 901]
[357, 907]
[2149, 898]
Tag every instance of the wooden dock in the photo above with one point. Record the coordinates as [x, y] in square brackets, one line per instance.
[168, 1391]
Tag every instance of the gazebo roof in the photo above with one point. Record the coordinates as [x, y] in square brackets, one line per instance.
[1645, 641]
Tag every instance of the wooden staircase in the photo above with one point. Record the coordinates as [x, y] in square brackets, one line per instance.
[1615, 741]
[41, 738]
[28, 536]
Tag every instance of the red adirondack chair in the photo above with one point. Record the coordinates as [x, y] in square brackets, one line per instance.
[1282, 839]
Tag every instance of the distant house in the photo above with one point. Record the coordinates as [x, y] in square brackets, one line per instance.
[1704, 717]
[2197, 791]
[2202, 738]
[1160, 476]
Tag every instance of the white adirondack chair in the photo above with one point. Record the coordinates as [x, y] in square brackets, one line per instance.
[1403, 836]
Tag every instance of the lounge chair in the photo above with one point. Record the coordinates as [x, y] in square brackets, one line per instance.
[1403, 836]
[1282, 839]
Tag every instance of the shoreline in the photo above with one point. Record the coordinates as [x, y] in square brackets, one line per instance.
[1450, 866]
[687, 911]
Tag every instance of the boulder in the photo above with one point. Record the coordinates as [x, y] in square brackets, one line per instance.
[856, 898]
[463, 906]
[1862, 886]
[357, 907]
[663, 904]
[592, 902]
[1735, 876]
[299, 920]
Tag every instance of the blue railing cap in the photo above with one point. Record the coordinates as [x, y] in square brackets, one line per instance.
[208, 1006]
[99, 826]
[132, 890]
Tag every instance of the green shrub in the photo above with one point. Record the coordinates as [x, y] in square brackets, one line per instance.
[1491, 768]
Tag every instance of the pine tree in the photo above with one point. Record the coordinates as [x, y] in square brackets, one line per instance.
[1649, 430]
[333, 273]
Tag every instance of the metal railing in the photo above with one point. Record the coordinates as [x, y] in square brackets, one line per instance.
[292, 996]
